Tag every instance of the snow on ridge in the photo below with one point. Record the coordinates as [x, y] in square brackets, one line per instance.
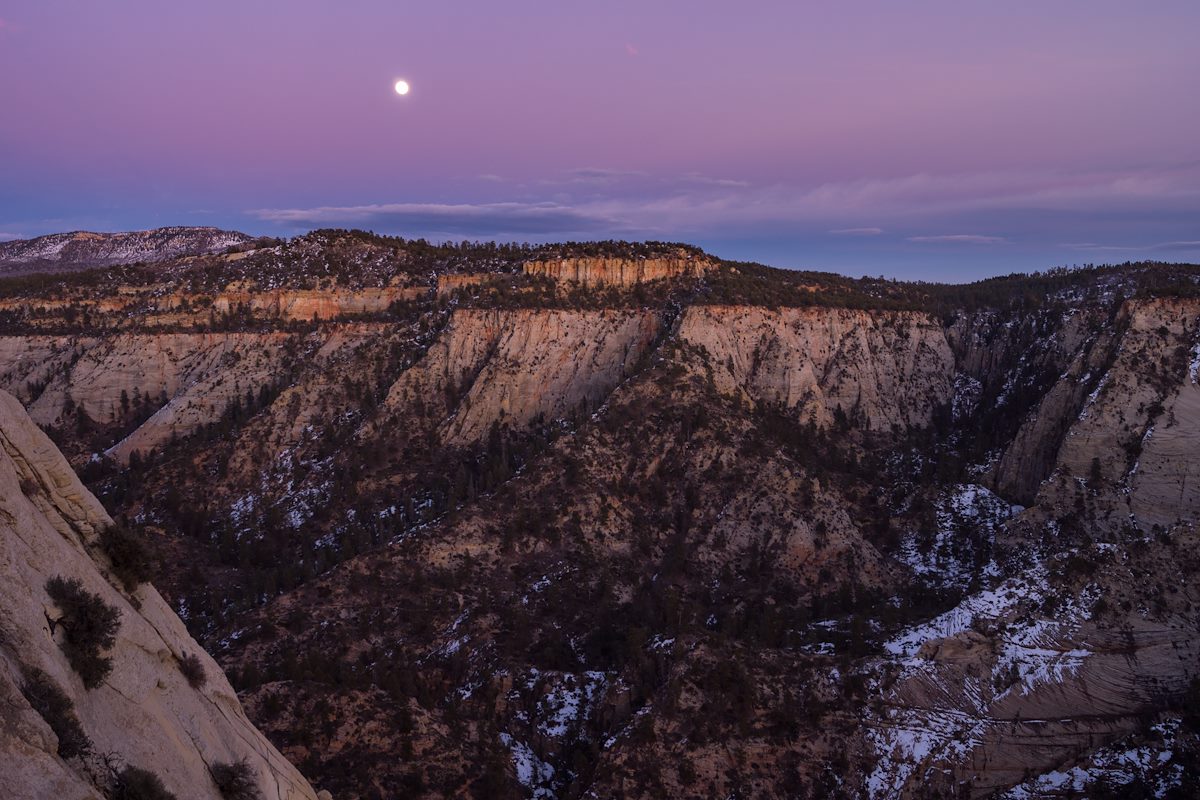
[1116, 765]
[1031, 653]
[985, 604]
[564, 705]
[87, 248]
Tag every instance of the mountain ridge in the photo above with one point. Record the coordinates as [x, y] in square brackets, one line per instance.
[79, 250]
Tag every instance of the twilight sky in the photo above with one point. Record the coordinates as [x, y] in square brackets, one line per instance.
[935, 140]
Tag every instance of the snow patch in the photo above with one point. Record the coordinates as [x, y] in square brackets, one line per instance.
[1091, 398]
[1116, 765]
[986, 604]
[533, 773]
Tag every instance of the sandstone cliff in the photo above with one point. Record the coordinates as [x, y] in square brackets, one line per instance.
[882, 369]
[597, 271]
[1140, 427]
[1095, 625]
[145, 714]
[197, 374]
[586, 543]
[310, 304]
[510, 367]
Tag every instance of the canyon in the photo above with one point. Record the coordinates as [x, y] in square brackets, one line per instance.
[626, 520]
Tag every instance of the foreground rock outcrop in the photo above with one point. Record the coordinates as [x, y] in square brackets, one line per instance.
[145, 714]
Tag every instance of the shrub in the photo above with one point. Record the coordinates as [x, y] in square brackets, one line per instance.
[236, 781]
[135, 783]
[58, 710]
[90, 627]
[130, 558]
[193, 669]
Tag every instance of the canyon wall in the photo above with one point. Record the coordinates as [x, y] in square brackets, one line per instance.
[597, 271]
[309, 304]
[512, 366]
[884, 368]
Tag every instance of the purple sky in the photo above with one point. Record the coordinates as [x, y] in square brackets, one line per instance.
[937, 140]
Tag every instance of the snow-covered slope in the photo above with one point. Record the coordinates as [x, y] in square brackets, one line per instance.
[59, 252]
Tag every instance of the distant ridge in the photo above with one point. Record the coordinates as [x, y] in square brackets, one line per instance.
[64, 252]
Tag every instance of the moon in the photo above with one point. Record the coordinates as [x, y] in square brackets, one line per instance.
[401, 88]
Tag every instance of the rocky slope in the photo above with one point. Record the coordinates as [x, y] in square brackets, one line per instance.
[59, 252]
[597, 529]
[145, 713]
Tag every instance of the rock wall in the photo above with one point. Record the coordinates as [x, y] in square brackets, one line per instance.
[957, 710]
[200, 374]
[145, 713]
[309, 304]
[448, 284]
[882, 368]
[1140, 426]
[618, 271]
[510, 366]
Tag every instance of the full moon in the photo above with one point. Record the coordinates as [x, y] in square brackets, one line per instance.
[401, 87]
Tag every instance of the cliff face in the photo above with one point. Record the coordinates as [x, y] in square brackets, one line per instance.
[1110, 529]
[145, 713]
[310, 304]
[1138, 428]
[596, 271]
[887, 369]
[198, 375]
[509, 367]
[881, 369]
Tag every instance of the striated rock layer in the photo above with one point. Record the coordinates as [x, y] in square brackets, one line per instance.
[310, 304]
[882, 369]
[513, 366]
[596, 271]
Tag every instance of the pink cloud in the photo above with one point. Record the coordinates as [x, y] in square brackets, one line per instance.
[857, 231]
[959, 238]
